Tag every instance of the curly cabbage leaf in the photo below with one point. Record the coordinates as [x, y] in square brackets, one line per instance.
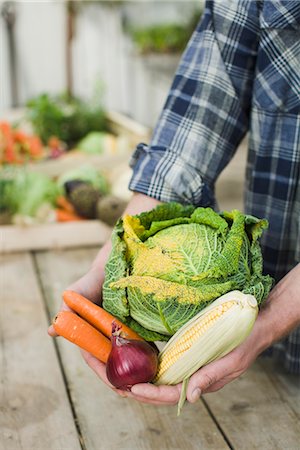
[169, 263]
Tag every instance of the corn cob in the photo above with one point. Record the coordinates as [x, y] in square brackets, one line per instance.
[211, 334]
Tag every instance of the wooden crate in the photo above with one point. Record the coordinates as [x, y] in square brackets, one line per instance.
[128, 134]
[14, 238]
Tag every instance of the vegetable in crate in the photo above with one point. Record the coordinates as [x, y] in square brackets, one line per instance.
[68, 118]
[29, 196]
[84, 198]
[110, 209]
[83, 187]
[6, 188]
[17, 147]
[167, 264]
[97, 142]
[85, 174]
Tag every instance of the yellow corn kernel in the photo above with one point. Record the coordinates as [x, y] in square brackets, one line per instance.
[186, 341]
[211, 334]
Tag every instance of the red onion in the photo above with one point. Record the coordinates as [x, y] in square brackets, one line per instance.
[130, 361]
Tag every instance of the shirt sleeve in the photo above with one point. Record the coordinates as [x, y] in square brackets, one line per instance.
[206, 113]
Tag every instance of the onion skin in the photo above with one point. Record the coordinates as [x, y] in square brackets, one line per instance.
[130, 362]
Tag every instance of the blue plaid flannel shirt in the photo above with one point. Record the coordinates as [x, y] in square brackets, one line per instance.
[239, 73]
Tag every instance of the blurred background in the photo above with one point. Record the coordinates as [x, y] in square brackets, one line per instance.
[125, 52]
[82, 83]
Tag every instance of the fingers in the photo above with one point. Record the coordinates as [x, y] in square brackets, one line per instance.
[157, 394]
[89, 287]
[143, 392]
[52, 332]
[215, 375]
[199, 383]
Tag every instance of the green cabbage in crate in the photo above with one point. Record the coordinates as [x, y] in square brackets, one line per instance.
[24, 192]
[93, 143]
[88, 174]
[169, 263]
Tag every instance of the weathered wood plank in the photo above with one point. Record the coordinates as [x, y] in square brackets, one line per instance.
[256, 411]
[55, 235]
[128, 133]
[34, 409]
[76, 159]
[106, 420]
[287, 385]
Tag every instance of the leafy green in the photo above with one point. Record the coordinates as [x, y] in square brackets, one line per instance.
[25, 192]
[93, 143]
[70, 119]
[88, 174]
[169, 263]
[6, 187]
[164, 37]
[161, 38]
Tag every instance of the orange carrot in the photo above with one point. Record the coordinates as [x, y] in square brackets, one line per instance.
[66, 216]
[96, 316]
[63, 203]
[73, 328]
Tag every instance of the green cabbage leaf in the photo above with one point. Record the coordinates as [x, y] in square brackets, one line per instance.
[169, 263]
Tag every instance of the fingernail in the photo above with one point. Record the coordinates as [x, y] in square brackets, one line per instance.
[122, 394]
[135, 390]
[195, 395]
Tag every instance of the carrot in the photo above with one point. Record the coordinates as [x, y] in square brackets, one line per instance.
[64, 204]
[76, 330]
[96, 316]
[66, 216]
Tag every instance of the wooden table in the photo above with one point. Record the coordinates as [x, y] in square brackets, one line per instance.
[51, 400]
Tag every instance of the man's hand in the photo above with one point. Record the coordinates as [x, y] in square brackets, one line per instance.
[210, 378]
[277, 318]
[280, 314]
[90, 286]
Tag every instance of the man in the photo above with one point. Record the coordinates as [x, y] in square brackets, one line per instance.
[240, 73]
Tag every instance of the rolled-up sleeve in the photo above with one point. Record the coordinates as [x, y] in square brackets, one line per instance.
[206, 113]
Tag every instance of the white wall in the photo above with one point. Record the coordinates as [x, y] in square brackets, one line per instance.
[40, 51]
[100, 55]
[5, 97]
[101, 52]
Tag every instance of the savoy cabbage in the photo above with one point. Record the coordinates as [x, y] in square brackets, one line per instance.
[169, 263]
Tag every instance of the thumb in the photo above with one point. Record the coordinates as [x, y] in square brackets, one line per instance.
[212, 377]
[199, 383]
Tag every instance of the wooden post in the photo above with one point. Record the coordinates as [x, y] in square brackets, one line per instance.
[71, 16]
[8, 13]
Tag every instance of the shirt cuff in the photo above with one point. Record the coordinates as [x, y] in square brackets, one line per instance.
[161, 173]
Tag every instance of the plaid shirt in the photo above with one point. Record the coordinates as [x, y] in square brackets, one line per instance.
[239, 73]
